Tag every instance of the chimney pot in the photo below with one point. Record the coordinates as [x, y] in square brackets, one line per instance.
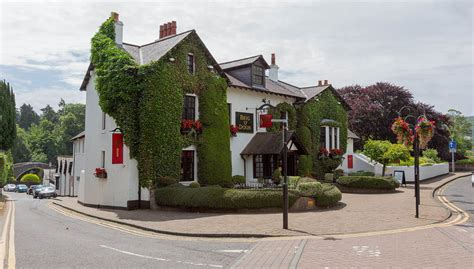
[114, 15]
[169, 29]
[162, 31]
[173, 27]
[325, 82]
[273, 59]
[273, 72]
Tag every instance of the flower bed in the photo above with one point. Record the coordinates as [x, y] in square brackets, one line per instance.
[368, 182]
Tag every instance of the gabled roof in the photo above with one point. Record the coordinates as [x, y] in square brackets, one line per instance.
[243, 62]
[154, 51]
[79, 135]
[314, 91]
[271, 143]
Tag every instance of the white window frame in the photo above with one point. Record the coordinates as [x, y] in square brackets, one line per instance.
[332, 141]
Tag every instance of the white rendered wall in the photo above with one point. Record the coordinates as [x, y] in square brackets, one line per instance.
[121, 184]
[426, 172]
[78, 156]
[241, 100]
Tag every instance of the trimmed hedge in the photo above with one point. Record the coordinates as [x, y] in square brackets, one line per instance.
[216, 197]
[310, 189]
[362, 173]
[369, 182]
[330, 195]
[194, 185]
[166, 181]
[238, 179]
[30, 178]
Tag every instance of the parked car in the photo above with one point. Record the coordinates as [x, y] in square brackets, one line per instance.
[37, 190]
[9, 187]
[47, 192]
[32, 188]
[21, 188]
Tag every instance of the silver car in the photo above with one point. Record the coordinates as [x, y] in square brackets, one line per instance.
[9, 187]
[47, 192]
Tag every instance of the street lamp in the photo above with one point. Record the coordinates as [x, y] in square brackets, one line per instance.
[416, 151]
[284, 123]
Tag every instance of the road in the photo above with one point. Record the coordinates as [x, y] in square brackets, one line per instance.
[46, 238]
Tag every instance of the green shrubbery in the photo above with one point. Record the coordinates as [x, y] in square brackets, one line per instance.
[33, 178]
[369, 182]
[216, 197]
[310, 189]
[238, 179]
[328, 177]
[194, 185]
[330, 195]
[469, 160]
[166, 181]
[362, 173]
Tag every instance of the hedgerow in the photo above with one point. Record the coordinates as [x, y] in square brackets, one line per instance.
[369, 182]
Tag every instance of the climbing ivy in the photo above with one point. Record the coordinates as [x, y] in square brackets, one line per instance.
[310, 115]
[146, 101]
[276, 112]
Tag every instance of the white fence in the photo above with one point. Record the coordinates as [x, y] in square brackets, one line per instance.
[362, 162]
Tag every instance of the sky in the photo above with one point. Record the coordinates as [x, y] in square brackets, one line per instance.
[425, 46]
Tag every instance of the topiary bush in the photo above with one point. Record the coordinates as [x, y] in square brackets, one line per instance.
[194, 185]
[330, 195]
[329, 177]
[362, 173]
[369, 182]
[33, 178]
[216, 197]
[166, 181]
[238, 179]
[310, 189]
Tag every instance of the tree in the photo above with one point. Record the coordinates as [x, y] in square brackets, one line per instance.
[43, 140]
[71, 122]
[384, 152]
[48, 113]
[460, 131]
[375, 107]
[21, 149]
[7, 116]
[27, 117]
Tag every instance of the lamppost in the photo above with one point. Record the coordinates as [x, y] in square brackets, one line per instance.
[284, 123]
[415, 133]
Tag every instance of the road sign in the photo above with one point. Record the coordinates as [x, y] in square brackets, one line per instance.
[452, 144]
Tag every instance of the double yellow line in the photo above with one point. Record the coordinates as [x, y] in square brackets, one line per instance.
[7, 243]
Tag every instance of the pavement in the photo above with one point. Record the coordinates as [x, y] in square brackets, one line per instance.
[357, 213]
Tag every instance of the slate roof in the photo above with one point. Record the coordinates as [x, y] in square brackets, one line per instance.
[242, 62]
[270, 143]
[312, 91]
[79, 135]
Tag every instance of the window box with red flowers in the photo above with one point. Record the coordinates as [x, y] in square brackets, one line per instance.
[188, 126]
[100, 173]
[233, 130]
[324, 153]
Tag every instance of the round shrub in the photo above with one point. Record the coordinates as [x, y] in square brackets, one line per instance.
[238, 179]
[309, 189]
[368, 182]
[293, 181]
[330, 195]
[306, 179]
[276, 176]
[329, 177]
[34, 178]
[166, 181]
[194, 185]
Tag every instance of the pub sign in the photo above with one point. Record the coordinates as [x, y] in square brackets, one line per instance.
[244, 122]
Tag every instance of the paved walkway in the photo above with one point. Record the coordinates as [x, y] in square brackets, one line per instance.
[357, 213]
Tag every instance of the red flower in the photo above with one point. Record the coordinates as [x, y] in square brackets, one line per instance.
[323, 151]
[197, 125]
[233, 129]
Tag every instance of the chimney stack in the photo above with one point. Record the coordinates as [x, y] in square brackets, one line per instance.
[320, 83]
[325, 82]
[273, 73]
[168, 29]
[118, 28]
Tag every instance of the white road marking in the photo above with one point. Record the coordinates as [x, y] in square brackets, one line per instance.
[159, 259]
[367, 251]
[232, 250]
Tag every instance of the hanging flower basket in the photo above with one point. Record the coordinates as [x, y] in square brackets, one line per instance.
[100, 173]
[424, 130]
[403, 132]
[233, 130]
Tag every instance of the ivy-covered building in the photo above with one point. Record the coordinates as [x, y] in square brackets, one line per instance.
[167, 109]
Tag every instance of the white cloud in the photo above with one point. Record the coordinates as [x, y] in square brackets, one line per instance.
[345, 42]
[40, 97]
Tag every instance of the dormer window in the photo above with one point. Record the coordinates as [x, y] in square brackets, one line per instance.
[190, 62]
[258, 75]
